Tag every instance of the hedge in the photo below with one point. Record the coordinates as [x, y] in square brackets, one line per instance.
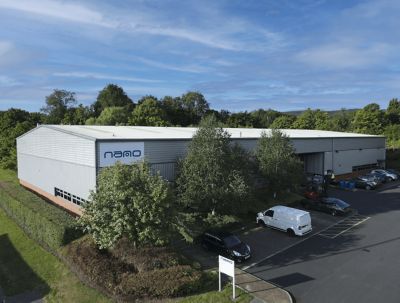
[45, 223]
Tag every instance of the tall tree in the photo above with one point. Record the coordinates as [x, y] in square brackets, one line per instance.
[369, 120]
[264, 118]
[113, 115]
[393, 111]
[312, 119]
[195, 105]
[149, 113]
[112, 95]
[57, 105]
[129, 202]
[283, 122]
[277, 161]
[212, 180]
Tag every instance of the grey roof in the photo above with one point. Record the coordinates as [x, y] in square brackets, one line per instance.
[185, 133]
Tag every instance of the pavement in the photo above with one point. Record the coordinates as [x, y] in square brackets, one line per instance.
[261, 290]
[27, 297]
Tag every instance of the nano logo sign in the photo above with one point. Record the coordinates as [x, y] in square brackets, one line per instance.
[124, 152]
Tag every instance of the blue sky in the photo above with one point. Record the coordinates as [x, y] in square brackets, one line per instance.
[242, 55]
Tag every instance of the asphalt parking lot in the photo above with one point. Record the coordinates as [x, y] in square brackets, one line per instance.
[351, 259]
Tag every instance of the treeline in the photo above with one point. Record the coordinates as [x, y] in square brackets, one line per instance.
[113, 107]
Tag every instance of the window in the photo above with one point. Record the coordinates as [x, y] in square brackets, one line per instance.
[68, 196]
[365, 167]
[269, 213]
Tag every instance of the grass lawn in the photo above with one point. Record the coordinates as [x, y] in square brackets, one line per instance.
[25, 266]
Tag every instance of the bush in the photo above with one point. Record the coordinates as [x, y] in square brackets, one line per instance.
[128, 273]
[47, 224]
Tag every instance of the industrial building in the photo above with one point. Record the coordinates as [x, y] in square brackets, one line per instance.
[61, 162]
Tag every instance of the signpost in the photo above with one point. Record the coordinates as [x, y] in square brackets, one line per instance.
[227, 266]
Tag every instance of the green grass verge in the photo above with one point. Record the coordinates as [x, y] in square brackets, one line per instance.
[25, 266]
[219, 297]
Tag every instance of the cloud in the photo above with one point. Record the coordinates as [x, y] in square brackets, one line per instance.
[5, 47]
[103, 77]
[337, 56]
[216, 32]
[60, 10]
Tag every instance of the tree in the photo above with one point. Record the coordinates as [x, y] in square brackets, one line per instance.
[195, 106]
[241, 119]
[128, 202]
[112, 95]
[393, 111]
[212, 180]
[283, 122]
[57, 105]
[392, 133]
[264, 118]
[14, 123]
[113, 115]
[77, 115]
[277, 161]
[369, 120]
[312, 119]
[149, 113]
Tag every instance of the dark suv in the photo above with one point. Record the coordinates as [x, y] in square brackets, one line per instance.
[226, 244]
[330, 205]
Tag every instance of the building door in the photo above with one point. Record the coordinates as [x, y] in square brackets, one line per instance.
[313, 163]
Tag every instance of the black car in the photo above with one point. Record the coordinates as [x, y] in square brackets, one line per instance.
[330, 205]
[364, 183]
[226, 244]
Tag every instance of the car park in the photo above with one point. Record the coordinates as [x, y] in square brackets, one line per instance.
[226, 244]
[329, 205]
[291, 220]
[388, 175]
[364, 183]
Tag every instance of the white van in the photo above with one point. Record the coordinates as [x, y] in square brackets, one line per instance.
[293, 221]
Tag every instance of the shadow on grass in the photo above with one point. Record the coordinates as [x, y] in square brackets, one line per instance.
[16, 277]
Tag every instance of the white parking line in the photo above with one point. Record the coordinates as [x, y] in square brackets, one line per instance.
[290, 246]
[354, 225]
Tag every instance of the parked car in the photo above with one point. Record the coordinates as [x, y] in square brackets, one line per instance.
[379, 179]
[394, 171]
[291, 220]
[226, 244]
[329, 205]
[364, 183]
[388, 175]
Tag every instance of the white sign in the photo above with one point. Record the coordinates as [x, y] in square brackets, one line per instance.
[227, 266]
[124, 152]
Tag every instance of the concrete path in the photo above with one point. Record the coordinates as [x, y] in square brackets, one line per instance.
[260, 289]
[27, 297]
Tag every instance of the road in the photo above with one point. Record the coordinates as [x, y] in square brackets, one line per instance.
[360, 263]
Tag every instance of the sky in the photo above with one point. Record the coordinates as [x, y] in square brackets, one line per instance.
[241, 55]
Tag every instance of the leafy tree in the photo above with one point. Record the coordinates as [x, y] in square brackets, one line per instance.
[393, 111]
[77, 115]
[149, 113]
[57, 105]
[392, 133]
[312, 119]
[241, 119]
[174, 111]
[369, 120]
[264, 118]
[113, 115]
[283, 122]
[129, 202]
[195, 106]
[212, 179]
[112, 95]
[14, 123]
[341, 121]
[277, 161]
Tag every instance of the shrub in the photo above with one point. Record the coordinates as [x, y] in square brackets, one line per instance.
[45, 223]
[128, 273]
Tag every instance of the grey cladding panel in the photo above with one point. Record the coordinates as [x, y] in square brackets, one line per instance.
[357, 143]
[312, 145]
[165, 151]
[51, 144]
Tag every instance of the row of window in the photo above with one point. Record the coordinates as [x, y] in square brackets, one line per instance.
[67, 196]
[365, 167]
